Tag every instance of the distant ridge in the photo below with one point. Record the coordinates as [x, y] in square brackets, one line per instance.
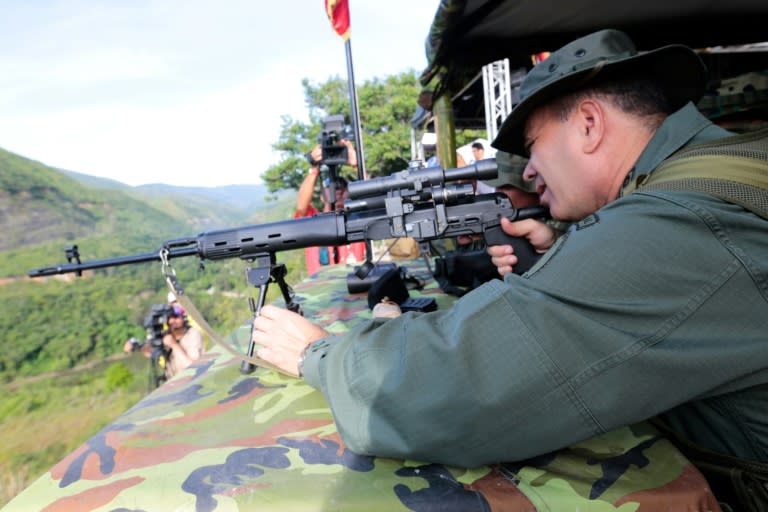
[238, 197]
[94, 181]
[45, 208]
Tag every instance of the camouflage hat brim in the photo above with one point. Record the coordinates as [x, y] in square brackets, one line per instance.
[604, 54]
[510, 172]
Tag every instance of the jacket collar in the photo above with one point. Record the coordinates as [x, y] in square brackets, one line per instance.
[682, 128]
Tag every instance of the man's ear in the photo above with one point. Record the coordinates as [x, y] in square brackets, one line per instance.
[591, 124]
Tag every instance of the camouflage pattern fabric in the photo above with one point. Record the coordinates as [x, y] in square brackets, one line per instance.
[214, 439]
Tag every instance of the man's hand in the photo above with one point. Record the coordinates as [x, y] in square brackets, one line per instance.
[541, 236]
[351, 153]
[317, 153]
[283, 336]
[170, 342]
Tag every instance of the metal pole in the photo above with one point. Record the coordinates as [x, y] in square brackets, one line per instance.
[361, 174]
[446, 131]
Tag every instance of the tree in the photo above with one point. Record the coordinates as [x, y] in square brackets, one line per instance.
[386, 107]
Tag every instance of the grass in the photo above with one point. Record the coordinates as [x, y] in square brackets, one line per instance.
[44, 419]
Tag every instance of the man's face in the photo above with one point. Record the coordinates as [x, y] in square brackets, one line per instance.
[568, 180]
[478, 153]
[175, 322]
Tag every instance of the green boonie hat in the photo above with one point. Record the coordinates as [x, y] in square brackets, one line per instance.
[606, 53]
[510, 172]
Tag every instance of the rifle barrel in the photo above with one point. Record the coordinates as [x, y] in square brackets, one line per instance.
[110, 262]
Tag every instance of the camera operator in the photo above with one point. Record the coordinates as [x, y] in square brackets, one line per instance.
[182, 344]
[317, 256]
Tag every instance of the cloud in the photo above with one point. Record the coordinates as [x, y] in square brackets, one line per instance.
[181, 91]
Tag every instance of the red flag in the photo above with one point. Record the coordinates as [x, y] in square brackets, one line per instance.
[338, 14]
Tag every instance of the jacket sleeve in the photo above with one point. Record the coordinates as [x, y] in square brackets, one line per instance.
[595, 337]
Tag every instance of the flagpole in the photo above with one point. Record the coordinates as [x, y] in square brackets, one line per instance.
[338, 14]
[361, 173]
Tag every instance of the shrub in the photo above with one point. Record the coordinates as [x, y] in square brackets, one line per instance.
[117, 376]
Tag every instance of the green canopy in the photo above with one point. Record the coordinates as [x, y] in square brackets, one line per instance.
[467, 34]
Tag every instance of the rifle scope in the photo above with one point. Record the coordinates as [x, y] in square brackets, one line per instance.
[449, 194]
[422, 178]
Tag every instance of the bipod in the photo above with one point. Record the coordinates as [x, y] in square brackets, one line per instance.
[265, 270]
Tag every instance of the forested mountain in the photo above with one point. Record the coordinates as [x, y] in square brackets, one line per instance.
[39, 204]
[201, 207]
[42, 209]
[51, 324]
[61, 337]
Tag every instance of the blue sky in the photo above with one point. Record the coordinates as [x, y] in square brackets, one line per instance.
[185, 92]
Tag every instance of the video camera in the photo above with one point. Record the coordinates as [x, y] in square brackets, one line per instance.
[334, 131]
[156, 324]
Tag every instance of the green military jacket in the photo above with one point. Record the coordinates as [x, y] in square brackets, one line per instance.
[657, 302]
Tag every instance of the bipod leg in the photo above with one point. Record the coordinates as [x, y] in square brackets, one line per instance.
[259, 276]
[278, 275]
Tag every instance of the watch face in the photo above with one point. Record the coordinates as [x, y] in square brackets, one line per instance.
[300, 361]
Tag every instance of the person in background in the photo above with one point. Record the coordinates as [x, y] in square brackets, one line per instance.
[510, 180]
[478, 152]
[475, 266]
[173, 301]
[183, 344]
[315, 257]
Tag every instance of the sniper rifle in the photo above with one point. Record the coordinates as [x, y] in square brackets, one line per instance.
[425, 204]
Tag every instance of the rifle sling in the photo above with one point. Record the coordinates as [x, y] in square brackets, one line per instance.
[188, 306]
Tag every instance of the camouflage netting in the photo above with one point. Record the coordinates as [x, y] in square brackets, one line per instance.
[214, 439]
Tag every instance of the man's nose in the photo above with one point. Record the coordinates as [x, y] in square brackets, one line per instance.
[529, 174]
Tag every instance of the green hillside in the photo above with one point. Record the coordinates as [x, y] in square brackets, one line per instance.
[43, 210]
[61, 361]
[206, 208]
[67, 320]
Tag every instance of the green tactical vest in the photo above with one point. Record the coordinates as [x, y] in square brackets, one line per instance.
[734, 169]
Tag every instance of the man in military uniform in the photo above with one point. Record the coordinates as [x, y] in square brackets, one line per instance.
[653, 302]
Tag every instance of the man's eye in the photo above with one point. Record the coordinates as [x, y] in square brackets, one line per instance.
[527, 148]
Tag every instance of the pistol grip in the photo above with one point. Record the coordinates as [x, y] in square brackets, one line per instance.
[526, 254]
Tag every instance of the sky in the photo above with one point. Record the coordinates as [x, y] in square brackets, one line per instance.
[183, 92]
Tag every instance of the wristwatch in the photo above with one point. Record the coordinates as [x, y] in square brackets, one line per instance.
[302, 357]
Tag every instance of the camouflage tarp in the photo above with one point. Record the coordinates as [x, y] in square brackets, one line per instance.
[214, 439]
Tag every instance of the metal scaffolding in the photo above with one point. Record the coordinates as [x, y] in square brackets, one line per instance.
[501, 90]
